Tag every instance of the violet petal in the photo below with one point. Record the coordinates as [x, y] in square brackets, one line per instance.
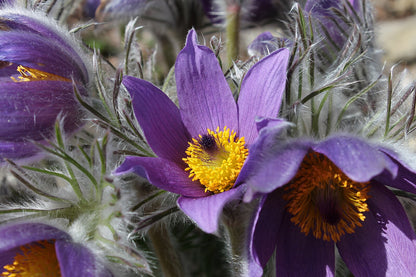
[405, 179]
[356, 158]
[385, 242]
[163, 174]
[76, 260]
[261, 92]
[12, 236]
[301, 255]
[23, 23]
[205, 98]
[29, 109]
[264, 230]
[41, 53]
[205, 211]
[159, 118]
[272, 164]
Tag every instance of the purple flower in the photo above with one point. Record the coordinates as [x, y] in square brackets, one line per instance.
[90, 7]
[201, 147]
[252, 11]
[5, 2]
[110, 9]
[38, 62]
[323, 11]
[36, 249]
[316, 196]
[266, 43]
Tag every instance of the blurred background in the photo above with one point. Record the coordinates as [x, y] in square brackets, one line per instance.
[396, 33]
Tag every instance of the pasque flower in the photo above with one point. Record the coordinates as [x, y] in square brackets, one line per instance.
[37, 249]
[252, 11]
[38, 64]
[323, 10]
[201, 147]
[318, 195]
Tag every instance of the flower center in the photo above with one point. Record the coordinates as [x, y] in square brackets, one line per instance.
[35, 260]
[216, 159]
[324, 201]
[31, 74]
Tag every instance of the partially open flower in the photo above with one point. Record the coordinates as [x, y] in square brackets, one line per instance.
[37, 249]
[326, 11]
[39, 64]
[252, 12]
[320, 195]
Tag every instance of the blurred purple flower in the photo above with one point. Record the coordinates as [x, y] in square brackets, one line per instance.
[316, 196]
[38, 62]
[110, 9]
[252, 11]
[202, 146]
[90, 7]
[266, 43]
[36, 249]
[323, 10]
[3, 2]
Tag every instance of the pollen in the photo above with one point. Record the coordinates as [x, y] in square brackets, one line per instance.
[31, 74]
[324, 201]
[34, 260]
[215, 159]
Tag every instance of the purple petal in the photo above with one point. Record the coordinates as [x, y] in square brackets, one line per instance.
[301, 255]
[275, 125]
[205, 98]
[212, 9]
[405, 179]
[28, 110]
[120, 9]
[163, 174]
[205, 211]
[25, 152]
[279, 123]
[14, 235]
[266, 43]
[90, 7]
[23, 23]
[264, 230]
[76, 260]
[159, 118]
[385, 242]
[273, 163]
[356, 158]
[38, 52]
[356, 4]
[261, 92]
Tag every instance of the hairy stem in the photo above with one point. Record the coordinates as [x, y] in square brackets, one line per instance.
[169, 261]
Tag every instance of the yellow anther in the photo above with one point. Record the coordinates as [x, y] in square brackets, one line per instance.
[34, 260]
[216, 159]
[324, 201]
[31, 74]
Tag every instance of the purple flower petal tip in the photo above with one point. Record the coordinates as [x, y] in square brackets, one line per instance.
[205, 211]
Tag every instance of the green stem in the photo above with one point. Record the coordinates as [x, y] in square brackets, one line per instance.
[232, 33]
[168, 258]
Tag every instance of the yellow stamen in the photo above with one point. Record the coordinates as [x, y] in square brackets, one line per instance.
[35, 260]
[216, 159]
[31, 74]
[324, 201]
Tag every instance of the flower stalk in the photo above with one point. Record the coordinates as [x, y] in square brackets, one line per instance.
[232, 32]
